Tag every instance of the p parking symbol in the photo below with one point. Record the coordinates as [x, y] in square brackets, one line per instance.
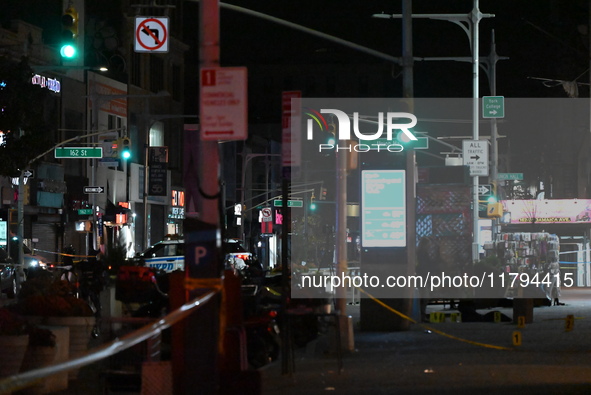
[200, 252]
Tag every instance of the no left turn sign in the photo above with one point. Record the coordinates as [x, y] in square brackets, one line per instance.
[266, 213]
[151, 34]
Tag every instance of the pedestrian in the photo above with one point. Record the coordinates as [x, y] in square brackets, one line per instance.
[428, 261]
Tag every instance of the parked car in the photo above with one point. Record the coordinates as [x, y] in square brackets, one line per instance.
[30, 260]
[233, 249]
[34, 262]
[169, 255]
[8, 279]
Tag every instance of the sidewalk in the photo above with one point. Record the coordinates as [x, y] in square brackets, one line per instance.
[440, 358]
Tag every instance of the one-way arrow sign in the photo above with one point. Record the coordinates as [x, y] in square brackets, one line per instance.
[94, 189]
[484, 190]
[475, 154]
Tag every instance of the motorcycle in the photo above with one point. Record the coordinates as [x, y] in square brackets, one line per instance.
[261, 306]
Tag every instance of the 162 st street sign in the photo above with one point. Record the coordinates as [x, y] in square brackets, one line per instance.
[78, 152]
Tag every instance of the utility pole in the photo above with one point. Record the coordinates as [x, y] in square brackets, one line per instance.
[408, 94]
[475, 20]
[197, 357]
[470, 24]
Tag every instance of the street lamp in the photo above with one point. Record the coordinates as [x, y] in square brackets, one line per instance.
[20, 202]
[469, 23]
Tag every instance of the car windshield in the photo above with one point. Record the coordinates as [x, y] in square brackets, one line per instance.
[234, 247]
[164, 249]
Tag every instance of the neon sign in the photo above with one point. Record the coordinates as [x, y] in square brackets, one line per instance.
[45, 82]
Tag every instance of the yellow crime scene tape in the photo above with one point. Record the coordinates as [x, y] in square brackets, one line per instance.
[433, 329]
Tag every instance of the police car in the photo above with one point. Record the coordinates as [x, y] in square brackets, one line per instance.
[169, 255]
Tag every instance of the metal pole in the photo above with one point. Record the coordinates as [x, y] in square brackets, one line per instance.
[407, 52]
[20, 229]
[94, 128]
[341, 242]
[146, 179]
[493, 90]
[286, 347]
[493, 131]
[475, 69]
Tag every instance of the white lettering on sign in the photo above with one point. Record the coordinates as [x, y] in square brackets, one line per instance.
[475, 155]
[200, 252]
[223, 103]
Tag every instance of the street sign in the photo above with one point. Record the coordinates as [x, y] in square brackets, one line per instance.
[290, 203]
[267, 214]
[78, 152]
[151, 34]
[510, 176]
[382, 144]
[493, 107]
[223, 103]
[29, 173]
[84, 211]
[94, 189]
[475, 155]
[485, 190]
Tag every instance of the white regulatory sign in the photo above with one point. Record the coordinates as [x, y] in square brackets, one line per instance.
[267, 214]
[151, 34]
[224, 103]
[475, 153]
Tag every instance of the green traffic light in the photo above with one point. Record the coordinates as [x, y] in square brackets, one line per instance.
[68, 51]
[126, 154]
[403, 138]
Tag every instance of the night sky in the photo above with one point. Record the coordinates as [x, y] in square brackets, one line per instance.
[545, 39]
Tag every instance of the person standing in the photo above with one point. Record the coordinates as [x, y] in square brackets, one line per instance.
[428, 261]
[554, 289]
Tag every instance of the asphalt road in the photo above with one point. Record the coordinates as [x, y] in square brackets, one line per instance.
[436, 358]
[442, 358]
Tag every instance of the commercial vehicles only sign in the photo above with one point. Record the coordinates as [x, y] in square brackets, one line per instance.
[475, 153]
[224, 103]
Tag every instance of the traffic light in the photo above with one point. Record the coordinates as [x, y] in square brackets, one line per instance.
[121, 148]
[69, 43]
[331, 135]
[313, 202]
[125, 147]
[486, 202]
[115, 148]
[494, 210]
[405, 140]
[323, 193]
